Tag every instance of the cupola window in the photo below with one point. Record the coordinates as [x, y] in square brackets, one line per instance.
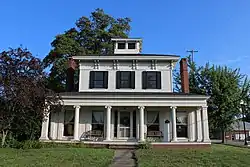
[121, 45]
[131, 45]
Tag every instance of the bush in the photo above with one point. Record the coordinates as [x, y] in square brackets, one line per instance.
[35, 144]
[13, 143]
[62, 145]
[145, 145]
[31, 144]
[28, 144]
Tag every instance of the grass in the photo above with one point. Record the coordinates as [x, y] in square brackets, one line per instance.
[56, 157]
[217, 155]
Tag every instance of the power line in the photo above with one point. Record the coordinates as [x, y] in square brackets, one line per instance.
[192, 54]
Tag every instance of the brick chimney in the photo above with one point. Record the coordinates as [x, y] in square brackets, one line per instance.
[70, 84]
[184, 76]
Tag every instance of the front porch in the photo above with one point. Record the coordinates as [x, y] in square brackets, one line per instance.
[171, 118]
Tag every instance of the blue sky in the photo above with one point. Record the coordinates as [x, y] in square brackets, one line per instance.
[218, 29]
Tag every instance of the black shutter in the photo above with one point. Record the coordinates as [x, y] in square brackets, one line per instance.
[158, 80]
[118, 80]
[144, 80]
[132, 79]
[105, 79]
[91, 79]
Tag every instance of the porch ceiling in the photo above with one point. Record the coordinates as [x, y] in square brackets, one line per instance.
[132, 99]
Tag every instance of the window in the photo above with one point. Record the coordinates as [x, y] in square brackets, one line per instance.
[153, 123]
[98, 122]
[98, 79]
[69, 117]
[125, 79]
[121, 45]
[132, 45]
[181, 124]
[151, 80]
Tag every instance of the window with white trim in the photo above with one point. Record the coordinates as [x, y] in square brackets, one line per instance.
[153, 123]
[69, 117]
[98, 122]
[182, 124]
[121, 45]
[131, 45]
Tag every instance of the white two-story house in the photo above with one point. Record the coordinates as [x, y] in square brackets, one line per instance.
[128, 96]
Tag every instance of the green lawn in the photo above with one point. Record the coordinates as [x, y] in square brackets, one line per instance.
[217, 155]
[84, 157]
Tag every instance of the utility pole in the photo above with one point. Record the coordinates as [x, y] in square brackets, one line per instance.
[192, 54]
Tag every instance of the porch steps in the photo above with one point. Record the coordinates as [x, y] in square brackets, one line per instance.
[119, 146]
[112, 146]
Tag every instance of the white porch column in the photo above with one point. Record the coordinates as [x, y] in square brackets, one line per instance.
[76, 123]
[198, 125]
[205, 130]
[108, 122]
[45, 126]
[191, 123]
[174, 134]
[141, 108]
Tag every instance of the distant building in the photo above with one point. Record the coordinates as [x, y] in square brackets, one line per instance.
[237, 132]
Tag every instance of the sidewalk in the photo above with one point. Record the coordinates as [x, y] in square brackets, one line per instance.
[123, 158]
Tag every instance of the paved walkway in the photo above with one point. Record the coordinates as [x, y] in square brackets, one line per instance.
[123, 158]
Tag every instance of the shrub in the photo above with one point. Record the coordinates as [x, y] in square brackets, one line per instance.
[145, 145]
[31, 144]
[62, 145]
[12, 143]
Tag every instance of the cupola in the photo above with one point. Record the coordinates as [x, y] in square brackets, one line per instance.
[127, 45]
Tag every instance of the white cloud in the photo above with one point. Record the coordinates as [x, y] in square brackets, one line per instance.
[234, 61]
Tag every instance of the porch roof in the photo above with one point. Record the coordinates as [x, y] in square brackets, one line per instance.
[133, 99]
[139, 93]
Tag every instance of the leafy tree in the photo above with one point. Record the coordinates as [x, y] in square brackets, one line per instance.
[224, 102]
[222, 84]
[90, 36]
[245, 97]
[22, 94]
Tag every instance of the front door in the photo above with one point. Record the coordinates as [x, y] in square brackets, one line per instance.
[124, 124]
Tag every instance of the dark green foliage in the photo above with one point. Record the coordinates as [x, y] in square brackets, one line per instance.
[91, 35]
[35, 144]
[145, 145]
[245, 94]
[22, 95]
[225, 88]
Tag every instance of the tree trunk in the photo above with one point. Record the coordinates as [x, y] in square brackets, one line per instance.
[4, 137]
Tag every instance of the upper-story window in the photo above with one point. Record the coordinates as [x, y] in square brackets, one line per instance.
[131, 45]
[98, 79]
[121, 45]
[125, 79]
[151, 80]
